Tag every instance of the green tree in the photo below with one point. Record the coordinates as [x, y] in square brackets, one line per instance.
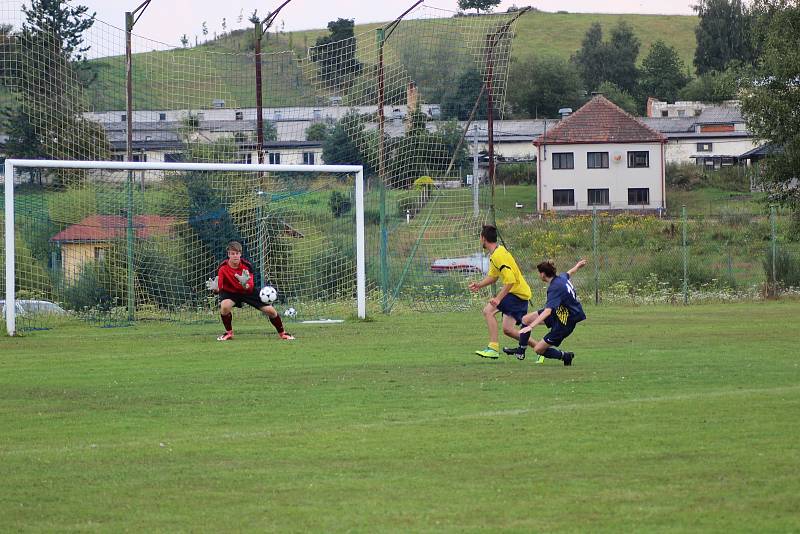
[723, 34]
[590, 58]
[622, 51]
[319, 131]
[663, 73]
[716, 86]
[459, 98]
[347, 143]
[22, 140]
[614, 60]
[335, 54]
[62, 22]
[478, 5]
[619, 96]
[540, 86]
[770, 105]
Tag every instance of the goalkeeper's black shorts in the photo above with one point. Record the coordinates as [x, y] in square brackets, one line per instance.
[242, 298]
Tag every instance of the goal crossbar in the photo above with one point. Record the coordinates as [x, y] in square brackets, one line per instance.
[12, 164]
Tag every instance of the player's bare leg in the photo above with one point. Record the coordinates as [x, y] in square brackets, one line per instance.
[493, 349]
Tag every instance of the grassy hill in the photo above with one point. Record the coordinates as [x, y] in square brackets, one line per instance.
[221, 69]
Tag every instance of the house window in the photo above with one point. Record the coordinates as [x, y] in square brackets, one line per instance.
[162, 116]
[123, 117]
[638, 196]
[246, 158]
[308, 158]
[681, 113]
[140, 157]
[174, 157]
[201, 116]
[638, 159]
[704, 147]
[275, 158]
[563, 160]
[563, 197]
[118, 157]
[99, 254]
[664, 113]
[239, 115]
[598, 197]
[597, 160]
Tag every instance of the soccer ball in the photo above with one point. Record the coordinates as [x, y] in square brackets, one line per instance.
[268, 294]
[290, 312]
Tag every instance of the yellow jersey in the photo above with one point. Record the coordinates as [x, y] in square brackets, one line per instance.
[503, 267]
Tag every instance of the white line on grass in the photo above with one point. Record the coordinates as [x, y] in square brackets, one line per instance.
[168, 442]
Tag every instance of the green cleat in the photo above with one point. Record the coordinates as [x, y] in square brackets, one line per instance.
[488, 352]
[540, 359]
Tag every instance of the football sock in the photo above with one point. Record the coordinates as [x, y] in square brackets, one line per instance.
[227, 320]
[277, 323]
[553, 353]
[523, 339]
[494, 345]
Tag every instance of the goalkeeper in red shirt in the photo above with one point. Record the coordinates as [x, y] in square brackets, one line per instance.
[235, 285]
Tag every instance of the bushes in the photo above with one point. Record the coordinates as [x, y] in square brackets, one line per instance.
[339, 203]
[516, 173]
[787, 267]
[688, 176]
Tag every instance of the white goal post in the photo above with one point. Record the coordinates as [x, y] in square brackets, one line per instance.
[12, 164]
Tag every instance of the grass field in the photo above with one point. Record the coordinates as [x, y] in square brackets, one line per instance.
[671, 419]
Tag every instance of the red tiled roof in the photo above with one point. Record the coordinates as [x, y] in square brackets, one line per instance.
[110, 227]
[599, 121]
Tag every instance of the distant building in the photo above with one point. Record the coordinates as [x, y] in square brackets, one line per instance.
[600, 157]
[91, 239]
[713, 136]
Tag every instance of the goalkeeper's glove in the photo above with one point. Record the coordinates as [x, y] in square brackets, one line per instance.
[212, 284]
[243, 278]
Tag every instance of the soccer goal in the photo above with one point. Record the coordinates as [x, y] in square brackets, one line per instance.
[118, 242]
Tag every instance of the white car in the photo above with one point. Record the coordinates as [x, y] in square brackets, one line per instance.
[25, 307]
[476, 263]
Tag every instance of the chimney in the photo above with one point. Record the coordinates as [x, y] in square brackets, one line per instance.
[412, 97]
[565, 112]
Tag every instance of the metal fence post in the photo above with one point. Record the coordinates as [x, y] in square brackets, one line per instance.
[685, 259]
[774, 243]
[594, 256]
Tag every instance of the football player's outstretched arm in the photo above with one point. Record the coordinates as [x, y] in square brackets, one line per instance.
[577, 267]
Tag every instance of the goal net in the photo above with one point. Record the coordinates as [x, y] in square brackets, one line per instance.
[410, 101]
[116, 242]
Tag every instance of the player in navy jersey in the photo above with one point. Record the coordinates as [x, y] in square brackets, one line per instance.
[560, 314]
[236, 286]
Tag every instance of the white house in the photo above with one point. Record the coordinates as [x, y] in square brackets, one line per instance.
[712, 136]
[601, 157]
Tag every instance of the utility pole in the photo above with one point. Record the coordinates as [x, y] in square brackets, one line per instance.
[261, 27]
[131, 18]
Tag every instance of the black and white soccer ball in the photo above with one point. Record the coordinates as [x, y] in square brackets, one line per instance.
[268, 294]
[290, 312]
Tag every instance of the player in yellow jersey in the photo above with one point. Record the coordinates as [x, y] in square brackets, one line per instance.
[511, 300]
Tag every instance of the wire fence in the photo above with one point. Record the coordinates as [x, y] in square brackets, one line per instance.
[649, 259]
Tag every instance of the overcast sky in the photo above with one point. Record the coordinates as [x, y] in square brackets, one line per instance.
[167, 20]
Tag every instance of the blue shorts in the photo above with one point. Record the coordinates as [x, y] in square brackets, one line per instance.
[558, 331]
[513, 306]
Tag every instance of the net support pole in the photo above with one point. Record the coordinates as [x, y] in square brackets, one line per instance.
[129, 22]
[475, 170]
[384, 244]
[258, 34]
[490, 120]
[10, 249]
[361, 272]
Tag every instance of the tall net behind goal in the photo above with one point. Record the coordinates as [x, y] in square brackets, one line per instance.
[114, 246]
[409, 101]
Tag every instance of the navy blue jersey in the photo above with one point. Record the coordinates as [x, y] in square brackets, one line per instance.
[562, 300]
